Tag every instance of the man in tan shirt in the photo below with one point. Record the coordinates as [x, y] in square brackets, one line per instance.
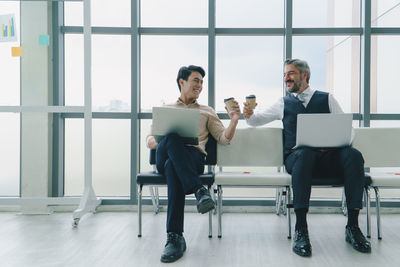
[182, 164]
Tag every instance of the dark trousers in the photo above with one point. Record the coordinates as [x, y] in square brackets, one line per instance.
[305, 163]
[181, 165]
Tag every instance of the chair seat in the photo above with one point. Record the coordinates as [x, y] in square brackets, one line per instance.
[153, 178]
[382, 179]
[334, 181]
[252, 179]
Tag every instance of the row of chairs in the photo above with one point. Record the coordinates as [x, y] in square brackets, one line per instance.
[379, 146]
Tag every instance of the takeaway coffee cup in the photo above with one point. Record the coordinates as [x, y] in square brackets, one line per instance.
[251, 100]
[229, 103]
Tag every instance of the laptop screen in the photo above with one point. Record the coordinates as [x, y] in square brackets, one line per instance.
[324, 130]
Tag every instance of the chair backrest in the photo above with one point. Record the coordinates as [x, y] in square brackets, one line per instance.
[253, 147]
[211, 149]
[380, 147]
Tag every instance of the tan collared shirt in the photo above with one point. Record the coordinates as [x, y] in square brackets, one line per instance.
[209, 123]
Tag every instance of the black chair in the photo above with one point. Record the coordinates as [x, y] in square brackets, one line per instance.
[154, 178]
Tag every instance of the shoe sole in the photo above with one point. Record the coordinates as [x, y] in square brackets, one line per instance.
[206, 206]
[166, 260]
[169, 260]
[298, 252]
[359, 250]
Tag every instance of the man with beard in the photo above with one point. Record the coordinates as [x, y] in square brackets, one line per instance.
[305, 162]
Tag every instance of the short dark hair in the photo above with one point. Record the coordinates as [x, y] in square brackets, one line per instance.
[301, 65]
[184, 73]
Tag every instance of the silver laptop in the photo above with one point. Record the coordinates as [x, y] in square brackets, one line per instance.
[324, 130]
[184, 122]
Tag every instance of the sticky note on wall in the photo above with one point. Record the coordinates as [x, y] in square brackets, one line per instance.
[44, 40]
[16, 51]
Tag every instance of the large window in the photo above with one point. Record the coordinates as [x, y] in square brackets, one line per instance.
[248, 65]
[326, 13]
[335, 66]
[160, 65]
[242, 46]
[10, 96]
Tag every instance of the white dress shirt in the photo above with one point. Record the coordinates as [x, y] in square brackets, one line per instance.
[275, 112]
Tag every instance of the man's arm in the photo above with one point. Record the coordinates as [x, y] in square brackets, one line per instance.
[214, 125]
[235, 116]
[151, 142]
[274, 112]
[334, 106]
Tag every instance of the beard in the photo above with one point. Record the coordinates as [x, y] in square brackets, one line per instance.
[296, 86]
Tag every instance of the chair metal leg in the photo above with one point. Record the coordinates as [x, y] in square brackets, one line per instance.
[278, 200]
[153, 198]
[288, 200]
[368, 205]
[157, 197]
[214, 197]
[219, 190]
[210, 217]
[283, 201]
[140, 187]
[344, 207]
[378, 215]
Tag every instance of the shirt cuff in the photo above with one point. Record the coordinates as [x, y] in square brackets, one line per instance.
[223, 140]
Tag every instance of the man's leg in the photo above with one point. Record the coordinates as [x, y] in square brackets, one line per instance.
[176, 245]
[176, 200]
[300, 163]
[181, 165]
[354, 181]
[187, 161]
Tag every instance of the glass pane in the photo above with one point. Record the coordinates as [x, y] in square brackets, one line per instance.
[9, 154]
[248, 65]
[174, 13]
[10, 66]
[250, 14]
[326, 13]
[383, 124]
[73, 13]
[335, 65]
[111, 157]
[160, 65]
[385, 13]
[74, 157]
[74, 73]
[107, 13]
[385, 56]
[111, 72]
[111, 65]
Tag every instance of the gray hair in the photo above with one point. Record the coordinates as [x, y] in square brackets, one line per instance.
[301, 65]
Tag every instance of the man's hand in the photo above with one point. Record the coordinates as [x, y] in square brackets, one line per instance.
[152, 143]
[247, 111]
[235, 112]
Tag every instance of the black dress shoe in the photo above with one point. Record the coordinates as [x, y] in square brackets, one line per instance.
[174, 248]
[301, 243]
[204, 200]
[356, 238]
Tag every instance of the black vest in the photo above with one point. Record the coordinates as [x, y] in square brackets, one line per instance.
[292, 106]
